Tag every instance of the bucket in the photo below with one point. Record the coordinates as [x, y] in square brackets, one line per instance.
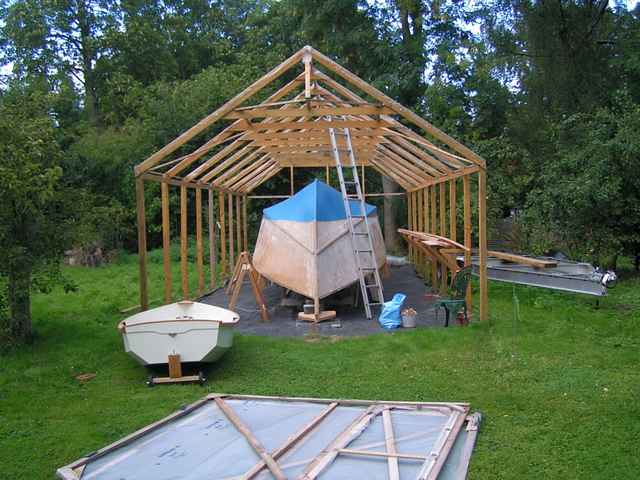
[409, 318]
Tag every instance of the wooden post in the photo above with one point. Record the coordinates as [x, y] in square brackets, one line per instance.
[434, 229]
[142, 244]
[409, 221]
[166, 242]
[443, 232]
[453, 209]
[223, 240]
[420, 226]
[244, 222]
[199, 244]
[184, 267]
[213, 251]
[425, 198]
[466, 187]
[232, 259]
[291, 180]
[239, 222]
[482, 247]
[327, 171]
[364, 189]
[306, 59]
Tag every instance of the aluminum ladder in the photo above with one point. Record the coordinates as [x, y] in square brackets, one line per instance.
[360, 232]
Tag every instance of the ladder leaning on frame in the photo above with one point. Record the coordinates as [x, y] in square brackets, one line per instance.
[361, 241]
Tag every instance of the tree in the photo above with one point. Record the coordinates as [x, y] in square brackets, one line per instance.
[53, 39]
[38, 213]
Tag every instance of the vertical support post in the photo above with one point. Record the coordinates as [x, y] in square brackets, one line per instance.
[409, 220]
[306, 59]
[142, 244]
[239, 222]
[427, 229]
[232, 259]
[199, 244]
[466, 188]
[327, 172]
[364, 189]
[223, 233]
[453, 210]
[184, 267]
[434, 229]
[443, 232]
[245, 239]
[291, 180]
[420, 226]
[213, 250]
[166, 242]
[482, 247]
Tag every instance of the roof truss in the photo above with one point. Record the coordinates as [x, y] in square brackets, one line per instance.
[290, 128]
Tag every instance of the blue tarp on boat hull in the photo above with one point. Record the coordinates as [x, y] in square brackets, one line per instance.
[317, 202]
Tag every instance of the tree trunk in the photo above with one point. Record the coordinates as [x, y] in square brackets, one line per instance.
[87, 54]
[390, 214]
[19, 290]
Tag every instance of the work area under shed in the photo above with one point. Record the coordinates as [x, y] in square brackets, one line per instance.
[292, 126]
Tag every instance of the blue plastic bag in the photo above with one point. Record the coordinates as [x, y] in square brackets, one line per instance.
[390, 315]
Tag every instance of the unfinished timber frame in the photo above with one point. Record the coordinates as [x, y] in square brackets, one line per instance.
[289, 437]
[289, 129]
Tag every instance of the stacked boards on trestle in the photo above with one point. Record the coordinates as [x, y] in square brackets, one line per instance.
[304, 243]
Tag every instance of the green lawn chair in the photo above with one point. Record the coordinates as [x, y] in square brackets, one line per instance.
[456, 300]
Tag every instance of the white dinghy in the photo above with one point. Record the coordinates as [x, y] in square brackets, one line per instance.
[178, 333]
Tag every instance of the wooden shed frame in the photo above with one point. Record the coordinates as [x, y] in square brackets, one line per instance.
[289, 129]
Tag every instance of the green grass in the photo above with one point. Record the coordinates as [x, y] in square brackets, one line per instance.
[559, 391]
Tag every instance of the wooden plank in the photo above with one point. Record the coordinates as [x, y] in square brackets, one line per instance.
[213, 248]
[166, 243]
[184, 245]
[306, 59]
[223, 240]
[417, 174]
[320, 134]
[219, 113]
[444, 178]
[252, 173]
[434, 228]
[443, 211]
[232, 258]
[263, 177]
[453, 210]
[250, 437]
[231, 165]
[327, 175]
[397, 107]
[175, 366]
[316, 160]
[466, 189]
[236, 150]
[315, 125]
[482, 244]
[521, 260]
[244, 174]
[413, 159]
[312, 142]
[239, 223]
[142, 245]
[199, 243]
[410, 221]
[390, 443]
[245, 240]
[310, 112]
[291, 184]
[390, 456]
[232, 172]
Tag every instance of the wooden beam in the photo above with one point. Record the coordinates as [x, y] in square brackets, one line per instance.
[445, 178]
[232, 258]
[142, 245]
[251, 439]
[316, 125]
[213, 250]
[311, 112]
[307, 59]
[466, 190]
[327, 174]
[316, 159]
[263, 177]
[383, 169]
[521, 260]
[239, 222]
[254, 158]
[223, 240]
[251, 173]
[453, 209]
[413, 159]
[390, 444]
[434, 229]
[199, 243]
[245, 239]
[166, 243]
[219, 113]
[313, 135]
[443, 211]
[184, 246]
[397, 107]
[482, 240]
[243, 173]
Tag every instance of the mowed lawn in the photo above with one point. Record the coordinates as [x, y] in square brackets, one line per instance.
[559, 389]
